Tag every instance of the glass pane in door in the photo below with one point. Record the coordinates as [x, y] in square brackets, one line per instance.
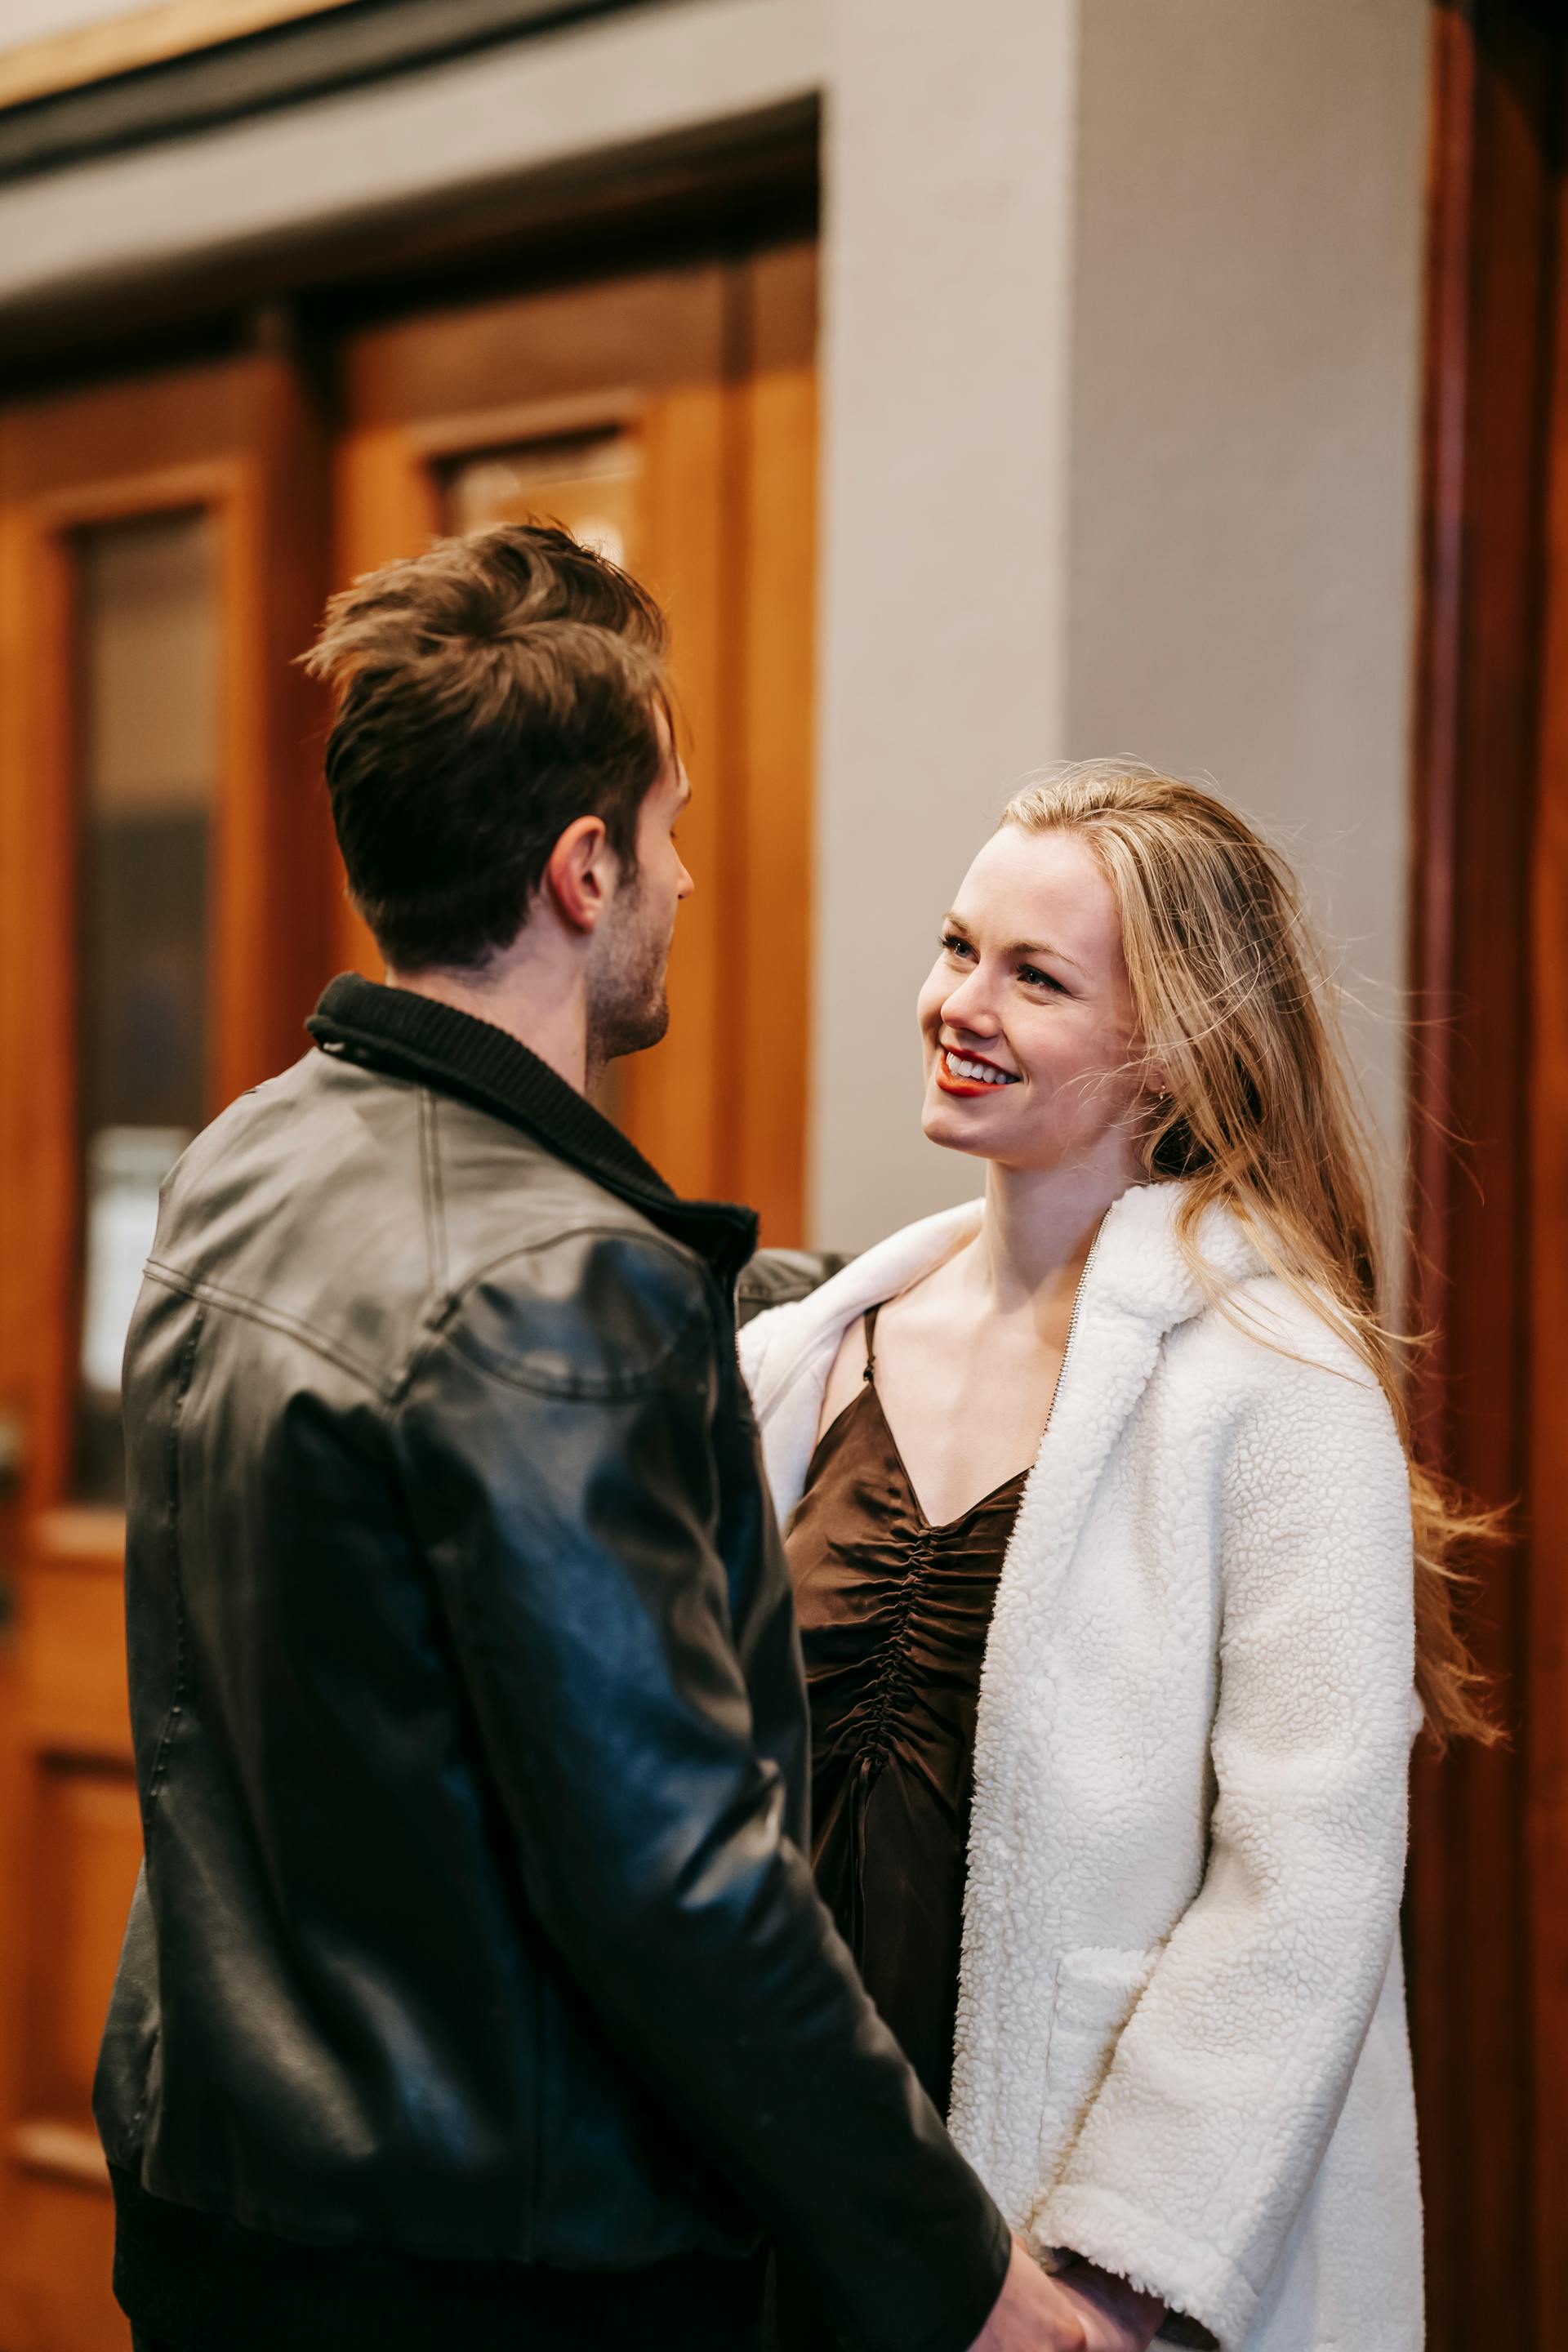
[148, 660]
[587, 482]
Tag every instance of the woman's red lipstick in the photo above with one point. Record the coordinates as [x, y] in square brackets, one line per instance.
[953, 1083]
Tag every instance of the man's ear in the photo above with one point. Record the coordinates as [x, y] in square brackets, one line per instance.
[580, 874]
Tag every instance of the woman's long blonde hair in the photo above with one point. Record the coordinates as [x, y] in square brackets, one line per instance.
[1251, 1103]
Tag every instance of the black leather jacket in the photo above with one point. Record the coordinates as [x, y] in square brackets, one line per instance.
[469, 1715]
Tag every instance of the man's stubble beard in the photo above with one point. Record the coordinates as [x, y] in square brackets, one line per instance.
[628, 1007]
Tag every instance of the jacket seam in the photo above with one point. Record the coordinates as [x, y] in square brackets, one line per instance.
[159, 1773]
[439, 1328]
[156, 1777]
[645, 1233]
[276, 1319]
[433, 1199]
[581, 1389]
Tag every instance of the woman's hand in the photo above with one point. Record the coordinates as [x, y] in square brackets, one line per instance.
[1116, 2317]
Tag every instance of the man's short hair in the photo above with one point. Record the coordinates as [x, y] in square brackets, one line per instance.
[488, 693]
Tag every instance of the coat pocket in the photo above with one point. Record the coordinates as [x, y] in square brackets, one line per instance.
[1096, 1989]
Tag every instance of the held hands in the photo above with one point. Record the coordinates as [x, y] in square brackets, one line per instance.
[1116, 2317]
[1083, 2310]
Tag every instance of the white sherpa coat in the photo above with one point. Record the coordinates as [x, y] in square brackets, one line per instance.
[1181, 2046]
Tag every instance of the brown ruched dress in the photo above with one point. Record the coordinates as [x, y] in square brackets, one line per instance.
[894, 1614]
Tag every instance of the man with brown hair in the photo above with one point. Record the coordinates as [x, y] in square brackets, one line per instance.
[475, 1990]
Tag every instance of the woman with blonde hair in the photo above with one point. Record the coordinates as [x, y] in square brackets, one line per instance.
[1123, 1598]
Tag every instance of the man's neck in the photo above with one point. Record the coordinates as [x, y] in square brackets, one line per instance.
[544, 1009]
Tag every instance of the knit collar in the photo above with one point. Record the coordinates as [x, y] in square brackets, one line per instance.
[408, 1035]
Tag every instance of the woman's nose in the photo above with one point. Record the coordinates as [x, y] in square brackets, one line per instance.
[967, 1007]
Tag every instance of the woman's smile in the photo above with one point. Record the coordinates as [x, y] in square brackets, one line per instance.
[970, 1073]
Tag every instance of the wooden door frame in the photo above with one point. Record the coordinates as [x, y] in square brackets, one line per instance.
[747, 202]
[270, 916]
[710, 366]
[727, 186]
[1489, 1961]
[218, 438]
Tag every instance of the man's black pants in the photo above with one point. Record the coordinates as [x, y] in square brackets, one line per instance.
[691, 2304]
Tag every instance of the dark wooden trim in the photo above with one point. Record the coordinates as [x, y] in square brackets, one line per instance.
[732, 185]
[1548, 1694]
[362, 41]
[1491, 294]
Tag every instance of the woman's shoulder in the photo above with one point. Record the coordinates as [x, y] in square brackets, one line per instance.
[811, 1310]
[1263, 1346]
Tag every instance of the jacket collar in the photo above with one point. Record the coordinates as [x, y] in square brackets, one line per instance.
[412, 1036]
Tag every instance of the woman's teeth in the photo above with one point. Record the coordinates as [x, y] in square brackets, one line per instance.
[978, 1073]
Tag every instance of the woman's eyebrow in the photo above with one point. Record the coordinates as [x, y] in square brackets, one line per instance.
[1019, 947]
[1041, 948]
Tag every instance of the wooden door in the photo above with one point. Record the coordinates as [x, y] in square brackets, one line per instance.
[1489, 1908]
[164, 924]
[1545, 921]
[670, 416]
[170, 906]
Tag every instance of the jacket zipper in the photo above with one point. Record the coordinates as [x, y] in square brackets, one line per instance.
[1072, 1322]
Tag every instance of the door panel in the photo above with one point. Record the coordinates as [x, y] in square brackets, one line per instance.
[87, 1850]
[1547, 1636]
[146, 617]
[1488, 1903]
[165, 923]
[671, 417]
[171, 903]
[769, 873]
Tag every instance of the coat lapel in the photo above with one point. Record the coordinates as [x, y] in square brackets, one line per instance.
[1136, 1288]
[787, 1353]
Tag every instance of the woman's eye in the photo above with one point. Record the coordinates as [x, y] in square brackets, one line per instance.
[955, 945]
[1033, 979]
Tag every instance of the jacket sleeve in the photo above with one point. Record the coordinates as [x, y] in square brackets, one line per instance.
[1228, 2078]
[564, 1481]
[778, 1277]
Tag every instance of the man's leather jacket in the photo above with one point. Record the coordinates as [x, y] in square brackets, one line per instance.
[470, 1735]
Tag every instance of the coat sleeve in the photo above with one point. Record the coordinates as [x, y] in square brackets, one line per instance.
[566, 1491]
[1228, 2078]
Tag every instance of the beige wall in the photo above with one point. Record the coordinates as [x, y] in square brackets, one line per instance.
[42, 20]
